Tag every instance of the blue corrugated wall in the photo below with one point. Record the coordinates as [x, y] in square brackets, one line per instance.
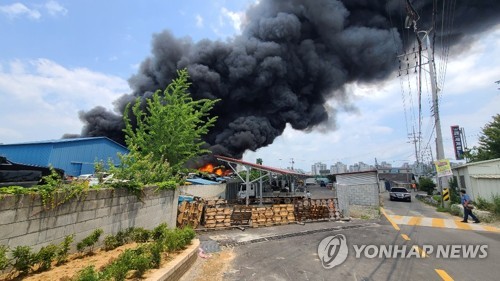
[74, 156]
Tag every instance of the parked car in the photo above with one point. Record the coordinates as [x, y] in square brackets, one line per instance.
[399, 193]
[22, 174]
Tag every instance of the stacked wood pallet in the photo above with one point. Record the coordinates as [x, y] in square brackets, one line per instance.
[241, 215]
[273, 215]
[189, 213]
[284, 213]
[217, 214]
[316, 209]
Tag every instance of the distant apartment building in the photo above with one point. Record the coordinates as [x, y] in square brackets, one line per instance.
[360, 167]
[384, 164]
[317, 167]
[338, 168]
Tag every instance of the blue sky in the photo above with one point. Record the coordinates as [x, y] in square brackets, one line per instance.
[60, 57]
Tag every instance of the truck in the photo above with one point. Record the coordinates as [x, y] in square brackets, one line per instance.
[283, 195]
[16, 174]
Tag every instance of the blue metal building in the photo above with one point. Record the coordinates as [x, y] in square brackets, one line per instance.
[75, 156]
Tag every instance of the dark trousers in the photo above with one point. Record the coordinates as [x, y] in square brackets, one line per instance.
[467, 213]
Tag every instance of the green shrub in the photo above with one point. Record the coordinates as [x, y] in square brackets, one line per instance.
[89, 241]
[45, 257]
[443, 209]
[111, 243]
[483, 204]
[62, 253]
[87, 274]
[140, 235]
[23, 259]
[496, 205]
[156, 249]
[119, 269]
[190, 233]
[159, 232]
[426, 184]
[4, 261]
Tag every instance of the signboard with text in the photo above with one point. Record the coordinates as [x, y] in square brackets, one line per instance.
[443, 168]
[457, 142]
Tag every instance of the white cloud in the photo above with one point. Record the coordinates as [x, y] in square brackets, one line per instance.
[199, 21]
[55, 8]
[18, 10]
[235, 18]
[42, 101]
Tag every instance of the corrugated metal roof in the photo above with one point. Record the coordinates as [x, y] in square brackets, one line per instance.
[63, 141]
[74, 156]
[258, 166]
[357, 178]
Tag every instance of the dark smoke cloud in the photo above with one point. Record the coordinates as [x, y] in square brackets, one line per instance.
[291, 57]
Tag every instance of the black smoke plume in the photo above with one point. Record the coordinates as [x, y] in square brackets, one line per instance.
[291, 57]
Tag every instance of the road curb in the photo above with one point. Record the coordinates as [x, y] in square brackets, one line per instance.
[176, 268]
[293, 234]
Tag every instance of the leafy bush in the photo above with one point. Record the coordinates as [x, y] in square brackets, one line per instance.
[62, 253]
[15, 190]
[159, 232]
[89, 241]
[87, 274]
[167, 185]
[496, 205]
[111, 243]
[23, 259]
[140, 235]
[4, 261]
[45, 257]
[156, 249]
[136, 259]
[117, 270]
[426, 184]
[483, 204]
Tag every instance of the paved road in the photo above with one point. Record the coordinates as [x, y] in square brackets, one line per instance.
[423, 225]
[296, 258]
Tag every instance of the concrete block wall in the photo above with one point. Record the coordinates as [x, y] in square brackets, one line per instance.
[23, 220]
[205, 191]
[364, 195]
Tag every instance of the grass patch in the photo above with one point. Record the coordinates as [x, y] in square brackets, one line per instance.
[443, 209]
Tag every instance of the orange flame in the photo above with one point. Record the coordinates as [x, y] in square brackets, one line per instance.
[209, 168]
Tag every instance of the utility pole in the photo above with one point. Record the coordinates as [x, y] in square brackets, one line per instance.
[442, 181]
[411, 21]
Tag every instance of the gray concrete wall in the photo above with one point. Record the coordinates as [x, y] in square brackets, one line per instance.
[363, 195]
[204, 191]
[23, 220]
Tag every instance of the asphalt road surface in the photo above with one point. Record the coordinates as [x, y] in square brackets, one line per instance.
[413, 226]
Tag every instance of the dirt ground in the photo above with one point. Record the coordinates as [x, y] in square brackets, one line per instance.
[212, 268]
[77, 262]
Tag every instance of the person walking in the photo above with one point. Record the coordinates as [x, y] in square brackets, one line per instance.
[465, 200]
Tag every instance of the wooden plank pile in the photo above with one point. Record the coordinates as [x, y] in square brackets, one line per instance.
[316, 209]
[273, 215]
[217, 214]
[189, 213]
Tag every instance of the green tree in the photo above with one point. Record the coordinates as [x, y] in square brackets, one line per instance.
[489, 142]
[169, 129]
[426, 184]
